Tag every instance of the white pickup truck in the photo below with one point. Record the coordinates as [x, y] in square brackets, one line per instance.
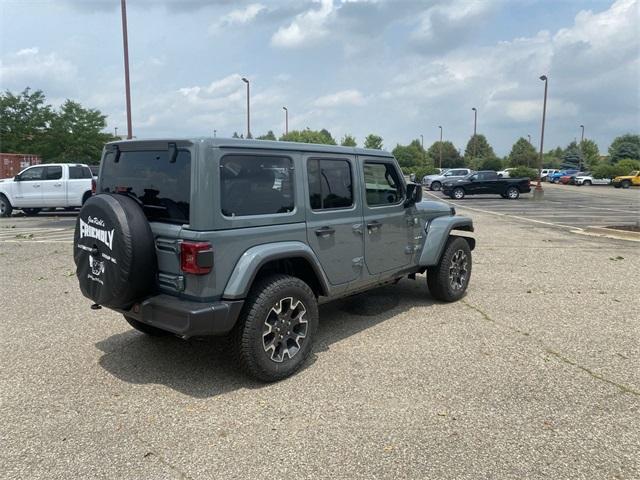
[53, 185]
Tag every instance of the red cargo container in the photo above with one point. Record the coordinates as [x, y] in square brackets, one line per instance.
[12, 163]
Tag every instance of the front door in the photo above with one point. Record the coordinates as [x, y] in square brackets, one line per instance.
[28, 189]
[388, 227]
[334, 216]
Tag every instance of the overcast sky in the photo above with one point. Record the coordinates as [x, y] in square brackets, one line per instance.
[398, 68]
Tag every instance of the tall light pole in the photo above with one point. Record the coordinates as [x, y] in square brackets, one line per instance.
[422, 145]
[115, 130]
[529, 138]
[127, 88]
[248, 109]
[581, 151]
[538, 193]
[475, 124]
[214, 132]
[440, 127]
[286, 120]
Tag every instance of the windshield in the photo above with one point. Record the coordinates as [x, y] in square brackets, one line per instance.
[635, 173]
[161, 186]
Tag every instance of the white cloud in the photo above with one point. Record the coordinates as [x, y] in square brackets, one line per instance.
[242, 16]
[306, 27]
[29, 67]
[342, 98]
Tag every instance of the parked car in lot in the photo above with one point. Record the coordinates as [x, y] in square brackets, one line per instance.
[570, 178]
[504, 173]
[545, 172]
[434, 182]
[588, 179]
[555, 177]
[486, 183]
[625, 181]
[252, 243]
[54, 185]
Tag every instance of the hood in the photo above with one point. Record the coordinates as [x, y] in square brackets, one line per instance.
[433, 207]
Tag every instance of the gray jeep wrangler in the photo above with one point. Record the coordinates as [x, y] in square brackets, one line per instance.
[216, 236]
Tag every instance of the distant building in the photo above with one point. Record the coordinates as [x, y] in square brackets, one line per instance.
[12, 163]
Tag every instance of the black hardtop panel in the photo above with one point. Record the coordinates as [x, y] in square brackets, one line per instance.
[222, 143]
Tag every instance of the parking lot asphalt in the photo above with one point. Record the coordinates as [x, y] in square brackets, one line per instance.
[568, 205]
[534, 374]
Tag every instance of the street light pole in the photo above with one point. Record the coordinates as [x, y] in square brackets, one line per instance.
[286, 120]
[538, 193]
[248, 109]
[115, 130]
[127, 88]
[581, 151]
[475, 124]
[214, 132]
[422, 145]
[529, 138]
[440, 127]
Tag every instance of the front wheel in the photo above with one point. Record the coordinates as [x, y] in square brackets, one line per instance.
[436, 186]
[513, 193]
[275, 333]
[458, 193]
[586, 182]
[5, 207]
[626, 184]
[448, 280]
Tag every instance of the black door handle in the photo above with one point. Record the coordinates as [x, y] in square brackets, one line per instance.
[325, 232]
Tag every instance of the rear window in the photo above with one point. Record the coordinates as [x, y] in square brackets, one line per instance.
[162, 187]
[78, 171]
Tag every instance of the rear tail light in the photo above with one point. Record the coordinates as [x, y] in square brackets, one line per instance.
[93, 186]
[196, 257]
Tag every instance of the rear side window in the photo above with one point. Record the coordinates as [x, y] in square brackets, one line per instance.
[382, 183]
[54, 172]
[78, 171]
[330, 184]
[161, 186]
[256, 185]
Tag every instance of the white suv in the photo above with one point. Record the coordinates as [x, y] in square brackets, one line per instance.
[434, 182]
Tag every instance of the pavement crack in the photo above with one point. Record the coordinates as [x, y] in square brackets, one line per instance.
[624, 388]
[152, 453]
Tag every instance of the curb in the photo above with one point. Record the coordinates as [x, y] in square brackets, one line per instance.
[612, 233]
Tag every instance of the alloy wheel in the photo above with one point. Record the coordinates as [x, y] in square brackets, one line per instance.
[458, 270]
[512, 193]
[285, 329]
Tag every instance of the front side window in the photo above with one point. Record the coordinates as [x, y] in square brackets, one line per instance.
[330, 184]
[382, 183]
[256, 185]
[35, 173]
[54, 172]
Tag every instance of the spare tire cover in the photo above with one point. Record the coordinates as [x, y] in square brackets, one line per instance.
[114, 251]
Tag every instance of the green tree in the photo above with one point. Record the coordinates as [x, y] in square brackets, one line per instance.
[625, 146]
[590, 153]
[373, 141]
[480, 146]
[348, 141]
[553, 158]
[24, 121]
[411, 155]
[524, 172]
[522, 154]
[450, 156]
[571, 157]
[268, 136]
[494, 164]
[235, 135]
[309, 136]
[76, 134]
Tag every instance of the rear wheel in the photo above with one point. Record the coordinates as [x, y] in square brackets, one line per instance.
[31, 211]
[275, 333]
[458, 193]
[436, 186]
[5, 207]
[146, 329]
[512, 193]
[448, 280]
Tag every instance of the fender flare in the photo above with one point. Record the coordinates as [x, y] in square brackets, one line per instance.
[437, 233]
[254, 258]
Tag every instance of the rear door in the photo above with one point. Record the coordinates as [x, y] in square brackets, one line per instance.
[334, 216]
[386, 224]
[28, 189]
[52, 187]
[78, 184]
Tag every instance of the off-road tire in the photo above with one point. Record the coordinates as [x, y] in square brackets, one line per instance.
[625, 184]
[5, 207]
[146, 329]
[438, 279]
[31, 211]
[436, 186]
[512, 193]
[458, 193]
[248, 333]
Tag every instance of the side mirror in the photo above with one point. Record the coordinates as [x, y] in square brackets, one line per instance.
[16, 178]
[414, 194]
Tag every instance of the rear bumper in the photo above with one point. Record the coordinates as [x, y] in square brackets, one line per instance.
[186, 318]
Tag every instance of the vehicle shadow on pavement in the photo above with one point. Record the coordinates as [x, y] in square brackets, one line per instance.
[205, 367]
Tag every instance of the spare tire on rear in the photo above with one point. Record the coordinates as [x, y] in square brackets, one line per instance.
[114, 251]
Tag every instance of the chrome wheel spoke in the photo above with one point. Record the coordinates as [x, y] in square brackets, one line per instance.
[285, 329]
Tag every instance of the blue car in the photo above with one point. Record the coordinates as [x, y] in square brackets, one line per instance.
[555, 177]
